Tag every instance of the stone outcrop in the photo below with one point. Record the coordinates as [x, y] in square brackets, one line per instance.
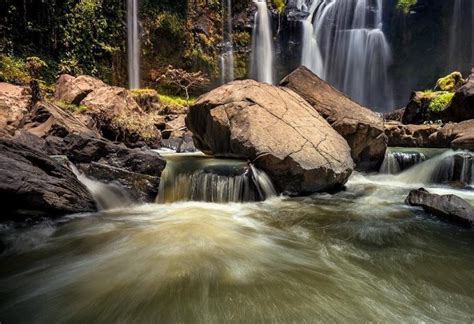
[450, 208]
[418, 109]
[73, 89]
[460, 136]
[362, 128]
[14, 102]
[412, 135]
[462, 105]
[32, 184]
[47, 119]
[277, 130]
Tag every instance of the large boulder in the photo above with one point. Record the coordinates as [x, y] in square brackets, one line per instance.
[461, 106]
[119, 118]
[362, 128]
[32, 184]
[450, 208]
[277, 130]
[73, 89]
[14, 102]
[425, 106]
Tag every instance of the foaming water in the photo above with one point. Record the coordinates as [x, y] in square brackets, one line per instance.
[359, 255]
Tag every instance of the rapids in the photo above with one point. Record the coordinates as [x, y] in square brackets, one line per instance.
[359, 255]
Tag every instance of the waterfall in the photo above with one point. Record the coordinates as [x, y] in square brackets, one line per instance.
[449, 167]
[262, 45]
[133, 45]
[395, 162]
[461, 36]
[198, 178]
[106, 195]
[226, 58]
[343, 43]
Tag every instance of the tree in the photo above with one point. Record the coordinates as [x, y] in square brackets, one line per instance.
[182, 80]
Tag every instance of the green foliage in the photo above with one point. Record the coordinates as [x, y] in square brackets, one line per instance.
[70, 107]
[404, 5]
[279, 5]
[176, 100]
[440, 101]
[13, 70]
[449, 82]
[89, 31]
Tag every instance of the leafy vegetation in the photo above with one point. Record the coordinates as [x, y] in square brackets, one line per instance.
[13, 70]
[404, 5]
[70, 107]
[176, 100]
[440, 100]
[279, 5]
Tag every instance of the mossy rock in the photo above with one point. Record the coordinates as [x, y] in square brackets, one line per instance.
[440, 101]
[450, 82]
[405, 5]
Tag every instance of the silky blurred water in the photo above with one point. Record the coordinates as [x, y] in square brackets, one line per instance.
[360, 255]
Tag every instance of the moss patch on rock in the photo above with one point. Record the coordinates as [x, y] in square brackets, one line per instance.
[440, 100]
[449, 82]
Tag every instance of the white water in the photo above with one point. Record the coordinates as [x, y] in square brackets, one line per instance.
[194, 177]
[262, 45]
[133, 44]
[226, 58]
[461, 36]
[343, 43]
[107, 196]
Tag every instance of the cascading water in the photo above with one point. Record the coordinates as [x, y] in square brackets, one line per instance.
[395, 162]
[106, 195]
[461, 38]
[133, 45]
[344, 44]
[226, 58]
[262, 45]
[199, 178]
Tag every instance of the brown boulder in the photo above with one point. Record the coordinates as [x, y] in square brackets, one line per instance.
[450, 208]
[73, 89]
[362, 128]
[461, 136]
[119, 118]
[14, 102]
[277, 130]
[47, 119]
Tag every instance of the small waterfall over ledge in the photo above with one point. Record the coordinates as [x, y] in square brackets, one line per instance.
[192, 177]
[344, 44]
[262, 45]
[133, 45]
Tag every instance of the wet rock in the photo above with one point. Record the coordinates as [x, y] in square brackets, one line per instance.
[275, 129]
[177, 137]
[32, 184]
[47, 119]
[73, 89]
[142, 187]
[462, 105]
[14, 102]
[362, 128]
[395, 115]
[450, 208]
[418, 109]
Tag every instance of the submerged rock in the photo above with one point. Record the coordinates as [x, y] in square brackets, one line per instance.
[32, 184]
[275, 129]
[362, 128]
[450, 208]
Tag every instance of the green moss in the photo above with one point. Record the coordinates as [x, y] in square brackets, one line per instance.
[449, 82]
[404, 5]
[70, 107]
[13, 70]
[176, 100]
[141, 91]
[440, 100]
[279, 5]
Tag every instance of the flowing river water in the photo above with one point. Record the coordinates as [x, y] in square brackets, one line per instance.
[359, 255]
